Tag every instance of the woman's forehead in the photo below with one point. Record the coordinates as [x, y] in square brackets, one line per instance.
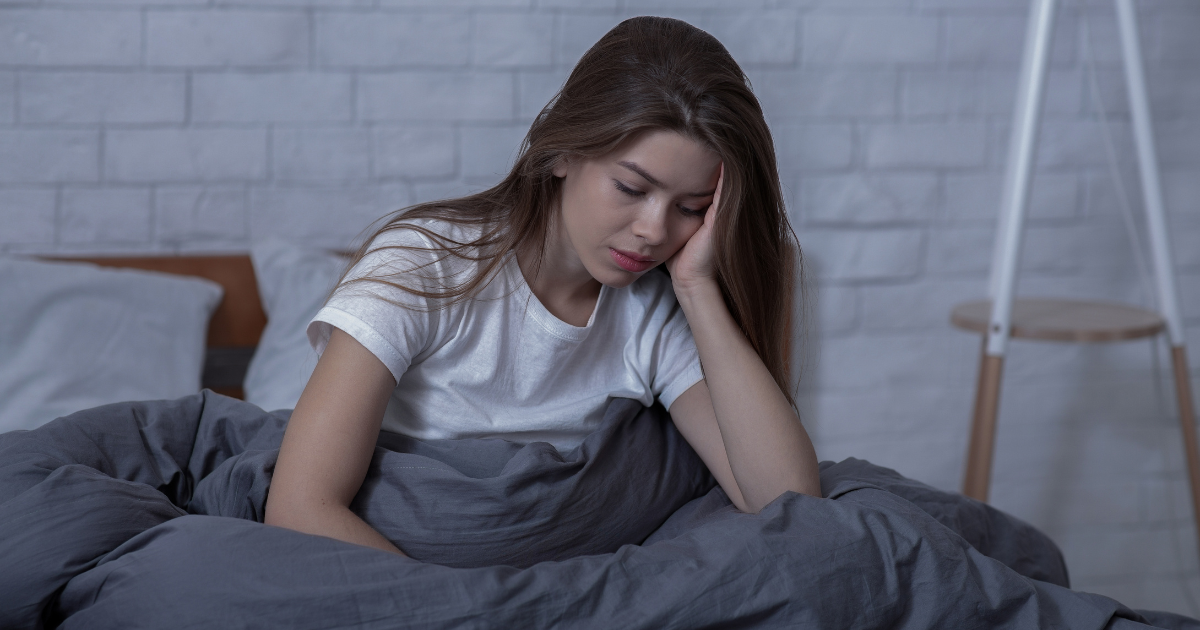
[667, 159]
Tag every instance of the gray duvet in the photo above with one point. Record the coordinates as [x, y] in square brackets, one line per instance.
[148, 515]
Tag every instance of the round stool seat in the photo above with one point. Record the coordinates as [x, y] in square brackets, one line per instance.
[1064, 320]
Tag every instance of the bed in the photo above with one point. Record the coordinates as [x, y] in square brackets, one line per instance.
[148, 514]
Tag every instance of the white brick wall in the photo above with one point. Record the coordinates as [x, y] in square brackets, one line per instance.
[203, 125]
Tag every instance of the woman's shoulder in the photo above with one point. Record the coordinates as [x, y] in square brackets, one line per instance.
[426, 232]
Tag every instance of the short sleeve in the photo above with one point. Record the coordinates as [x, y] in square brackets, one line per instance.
[676, 359]
[393, 324]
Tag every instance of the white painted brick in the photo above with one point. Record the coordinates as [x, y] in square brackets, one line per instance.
[868, 198]
[1095, 554]
[102, 97]
[52, 37]
[455, 3]
[999, 39]
[980, 93]
[291, 4]
[892, 413]
[577, 33]
[105, 215]
[960, 251]
[923, 305]
[968, 251]
[832, 39]
[272, 97]
[973, 197]
[1075, 143]
[26, 215]
[1082, 387]
[414, 151]
[836, 4]
[189, 214]
[968, 6]
[241, 37]
[638, 5]
[1181, 195]
[488, 152]
[1101, 198]
[185, 155]
[1113, 99]
[136, 3]
[813, 146]
[330, 217]
[1080, 453]
[1168, 499]
[437, 191]
[863, 255]
[1172, 593]
[1188, 292]
[1064, 505]
[1173, 94]
[579, 4]
[1185, 244]
[381, 40]
[757, 37]
[321, 154]
[1105, 40]
[8, 97]
[1178, 143]
[940, 463]
[1104, 248]
[836, 309]
[513, 39]
[442, 96]
[535, 89]
[48, 156]
[1174, 37]
[833, 93]
[926, 145]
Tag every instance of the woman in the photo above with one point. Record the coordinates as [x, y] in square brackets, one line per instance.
[519, 311]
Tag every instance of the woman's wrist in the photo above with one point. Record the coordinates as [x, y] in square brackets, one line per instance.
[697, 293]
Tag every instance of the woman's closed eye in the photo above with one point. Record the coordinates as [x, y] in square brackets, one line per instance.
[691, 212]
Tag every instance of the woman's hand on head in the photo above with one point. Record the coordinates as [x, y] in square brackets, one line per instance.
[695, 264]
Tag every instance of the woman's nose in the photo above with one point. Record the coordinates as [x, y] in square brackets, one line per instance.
[650, 224]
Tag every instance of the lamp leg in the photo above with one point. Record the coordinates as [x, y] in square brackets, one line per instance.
[1187, 420]
[983, 426]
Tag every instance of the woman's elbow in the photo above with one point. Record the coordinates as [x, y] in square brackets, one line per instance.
[291, 510]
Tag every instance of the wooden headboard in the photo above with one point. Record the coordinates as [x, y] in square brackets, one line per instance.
[238, 322]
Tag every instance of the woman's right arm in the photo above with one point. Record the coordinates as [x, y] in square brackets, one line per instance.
[328, 445]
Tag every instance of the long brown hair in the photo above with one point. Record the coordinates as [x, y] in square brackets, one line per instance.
[647, 73]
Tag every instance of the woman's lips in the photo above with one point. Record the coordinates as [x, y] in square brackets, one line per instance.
[630, 261]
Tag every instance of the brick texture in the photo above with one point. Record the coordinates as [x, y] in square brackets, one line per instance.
[205, 125]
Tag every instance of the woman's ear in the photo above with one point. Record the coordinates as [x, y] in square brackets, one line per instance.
[560, 167]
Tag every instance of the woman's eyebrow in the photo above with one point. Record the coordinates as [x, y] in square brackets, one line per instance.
[650, 178]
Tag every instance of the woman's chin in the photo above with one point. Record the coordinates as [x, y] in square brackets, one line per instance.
[617, 278]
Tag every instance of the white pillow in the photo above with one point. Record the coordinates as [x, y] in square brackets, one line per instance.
[75, 335]
[293, 282]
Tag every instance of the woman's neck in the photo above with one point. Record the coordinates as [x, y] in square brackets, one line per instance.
[561, 283]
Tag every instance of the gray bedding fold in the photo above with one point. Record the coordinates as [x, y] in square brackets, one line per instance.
[145, 515]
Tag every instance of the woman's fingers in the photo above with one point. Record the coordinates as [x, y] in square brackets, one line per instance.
[720, 184]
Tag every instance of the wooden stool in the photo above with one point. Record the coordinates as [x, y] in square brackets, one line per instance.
[1062, 320]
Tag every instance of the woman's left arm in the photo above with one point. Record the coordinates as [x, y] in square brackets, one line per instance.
[737, 419]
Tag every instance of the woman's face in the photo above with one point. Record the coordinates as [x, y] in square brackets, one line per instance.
[629, 211]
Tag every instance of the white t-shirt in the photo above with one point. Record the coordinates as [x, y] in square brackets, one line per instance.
[500, 364]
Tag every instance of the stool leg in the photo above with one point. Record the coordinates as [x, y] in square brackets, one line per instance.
[983, 426]
[1187, 418]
